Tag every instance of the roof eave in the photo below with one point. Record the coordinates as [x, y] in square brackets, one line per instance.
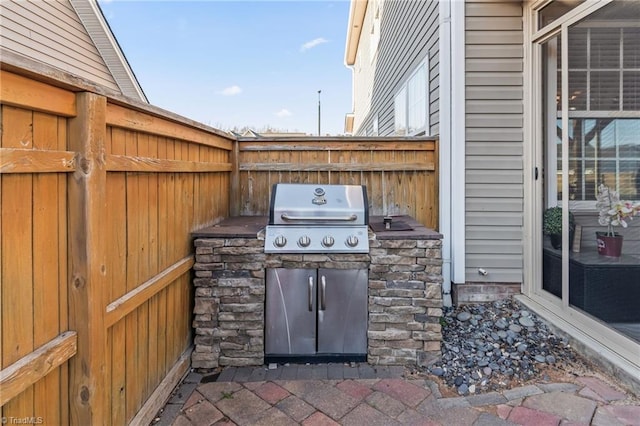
[103, 38]
[356, 21]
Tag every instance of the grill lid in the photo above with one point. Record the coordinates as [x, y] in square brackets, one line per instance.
[310, 204]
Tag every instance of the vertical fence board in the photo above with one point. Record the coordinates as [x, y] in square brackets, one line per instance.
[117, 254]
[17, 272]
[163, 257]
[63, 275]
[153, 376]
[144, 273]
[172, 190]
[45, 263]
[133, 278]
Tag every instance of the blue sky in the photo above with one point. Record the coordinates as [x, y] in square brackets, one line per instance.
[240, 63]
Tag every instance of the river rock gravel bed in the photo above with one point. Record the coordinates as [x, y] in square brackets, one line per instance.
[499, 345]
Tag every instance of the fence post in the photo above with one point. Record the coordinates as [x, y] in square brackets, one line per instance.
[87, 253]
[235, 196]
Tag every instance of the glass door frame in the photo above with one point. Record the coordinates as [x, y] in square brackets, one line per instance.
[620, 350]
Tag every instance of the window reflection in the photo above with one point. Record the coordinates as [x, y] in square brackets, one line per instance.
[602, 150]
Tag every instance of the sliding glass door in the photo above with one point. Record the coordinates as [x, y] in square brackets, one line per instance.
[587, 60]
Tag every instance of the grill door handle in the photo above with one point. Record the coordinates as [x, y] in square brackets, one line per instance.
[349, 218]
[310, 294]
[323, 290]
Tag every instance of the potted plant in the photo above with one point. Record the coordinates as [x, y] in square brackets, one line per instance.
[552, 225]
[613, 212]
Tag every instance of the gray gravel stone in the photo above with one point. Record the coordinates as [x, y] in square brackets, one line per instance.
[463, 316]
[526, 321]
[490, 345]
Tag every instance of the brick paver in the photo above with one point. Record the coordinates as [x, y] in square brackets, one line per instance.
[628, 414]
[386, 404]
[273, 417]
[203, 413]
[365, 415]
[413, 418]
[403, 391]
[243, 407]
[528, 417]
[193, 399]
[289, 372]
[355, 389]
[486, 419]
[563, 405]
[319, 419]
[326, 398]
[370, 399]
[604, 417]
[605, 391]
[215, 391]
[271, 392]
[491, 398]
[296, 408]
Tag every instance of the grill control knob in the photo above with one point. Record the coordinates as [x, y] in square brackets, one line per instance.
[304, 241]
[352, 241]
[280, 241]
[328, 241]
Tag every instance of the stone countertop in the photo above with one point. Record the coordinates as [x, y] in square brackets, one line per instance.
[250, 226]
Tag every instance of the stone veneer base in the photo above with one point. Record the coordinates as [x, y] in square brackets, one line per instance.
[405, 299]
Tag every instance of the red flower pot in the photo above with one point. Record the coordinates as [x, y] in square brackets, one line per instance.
[609, 245]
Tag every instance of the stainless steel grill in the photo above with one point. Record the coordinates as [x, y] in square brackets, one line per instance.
[308, 218]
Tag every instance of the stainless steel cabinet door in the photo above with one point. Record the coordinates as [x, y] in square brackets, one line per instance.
[342, 311]
[290, 316]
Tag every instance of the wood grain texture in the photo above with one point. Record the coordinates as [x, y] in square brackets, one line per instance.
[400, 179]
[127, 118]
[318, 168]
[23, 92]
[30, 369]
[45, 263]
[157, 399]
[87, 248]
[36, 161]
[17, 268]
[121, 163]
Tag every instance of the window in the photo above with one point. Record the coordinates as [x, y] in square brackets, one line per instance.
[604, 109]
[410, 104]
[400, 112]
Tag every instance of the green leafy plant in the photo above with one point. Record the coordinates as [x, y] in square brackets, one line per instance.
[552, 221]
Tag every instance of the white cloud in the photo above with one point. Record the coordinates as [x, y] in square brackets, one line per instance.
[313, 43]
[231, 91]
[284, 113]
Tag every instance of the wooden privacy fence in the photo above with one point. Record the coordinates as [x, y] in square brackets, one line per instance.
[400, 173]
[98, 198]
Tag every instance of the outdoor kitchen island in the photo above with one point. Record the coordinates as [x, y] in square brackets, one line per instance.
[404, 306]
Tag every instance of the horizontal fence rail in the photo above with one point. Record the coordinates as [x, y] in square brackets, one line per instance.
[400, 174]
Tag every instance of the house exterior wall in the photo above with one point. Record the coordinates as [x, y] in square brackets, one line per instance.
[51, 32]
[494, 141]
[408, 36]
